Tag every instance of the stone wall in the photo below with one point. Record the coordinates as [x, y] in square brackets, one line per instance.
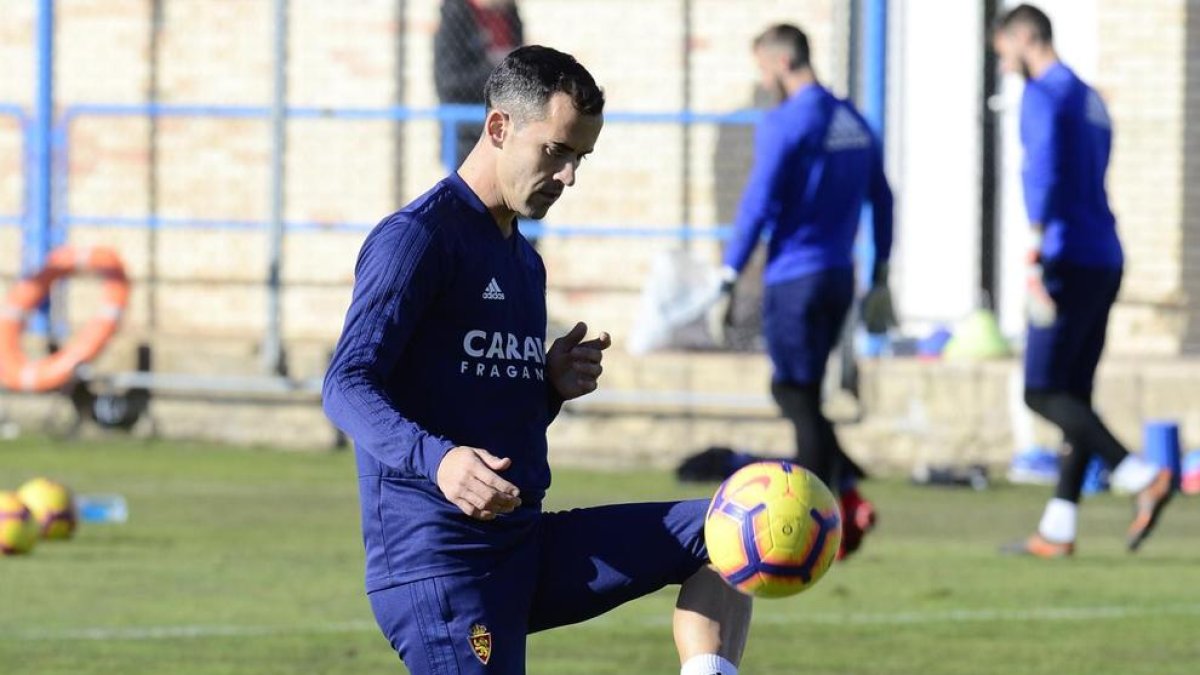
[1144, 60]
[209, 283]
[912, 412]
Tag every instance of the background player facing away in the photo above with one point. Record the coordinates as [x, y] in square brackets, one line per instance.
[441, 379]
[815, 163]
[1075, 267]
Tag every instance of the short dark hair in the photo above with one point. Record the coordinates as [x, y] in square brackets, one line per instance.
[526, 79]
[1031, 17]
[788, 38]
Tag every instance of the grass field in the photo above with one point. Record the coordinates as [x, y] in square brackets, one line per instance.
[240, 561]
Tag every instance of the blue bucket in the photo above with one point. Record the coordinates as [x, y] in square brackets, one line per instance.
[1161, 446]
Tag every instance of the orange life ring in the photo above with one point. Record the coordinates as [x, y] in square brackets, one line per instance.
[17, 373]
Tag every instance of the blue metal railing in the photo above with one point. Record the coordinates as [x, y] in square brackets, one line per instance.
[449, 116]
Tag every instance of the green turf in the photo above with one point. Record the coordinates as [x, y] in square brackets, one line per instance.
[240, 561]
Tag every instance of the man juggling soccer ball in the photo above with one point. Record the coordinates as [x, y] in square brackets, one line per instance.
[815, 164]
[1075, 266]
[442, 380]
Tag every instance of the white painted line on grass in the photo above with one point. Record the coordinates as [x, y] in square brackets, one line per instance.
[1033, 614]
[185, 632]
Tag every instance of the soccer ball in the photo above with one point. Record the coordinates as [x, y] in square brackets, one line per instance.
[18, 531]
[773, 529]
[52, 506]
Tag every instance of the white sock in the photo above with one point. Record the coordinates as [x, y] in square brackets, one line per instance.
[708, 664]
[1058, 521]
[1133, 474]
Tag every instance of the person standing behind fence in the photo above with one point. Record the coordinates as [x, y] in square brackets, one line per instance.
[815, 163]
[1075, 266]
[472, 38]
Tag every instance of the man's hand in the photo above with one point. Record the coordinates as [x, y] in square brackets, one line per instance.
[1039, 306]
[574, 366]
[468, 478]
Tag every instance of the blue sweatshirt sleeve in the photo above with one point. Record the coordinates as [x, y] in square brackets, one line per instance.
[760, 203]
[882, 206]
[1039, 134]
[396, 280]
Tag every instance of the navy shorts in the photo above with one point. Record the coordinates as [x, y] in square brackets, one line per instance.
[1063, 356]
[576, 565]
[803, 320]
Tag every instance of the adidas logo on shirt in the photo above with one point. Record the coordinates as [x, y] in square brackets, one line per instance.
[492, 291]
[846, 132]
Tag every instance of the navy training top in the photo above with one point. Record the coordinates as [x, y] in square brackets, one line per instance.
[443, 345]
[815, 164]
[1067, 136]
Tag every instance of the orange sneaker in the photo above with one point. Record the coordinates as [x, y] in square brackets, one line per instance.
[1039, 547]
[1148, 506]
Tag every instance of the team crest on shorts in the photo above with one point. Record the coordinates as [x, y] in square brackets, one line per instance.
[481, 642]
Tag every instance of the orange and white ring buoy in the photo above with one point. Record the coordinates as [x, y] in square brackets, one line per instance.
[20, 374]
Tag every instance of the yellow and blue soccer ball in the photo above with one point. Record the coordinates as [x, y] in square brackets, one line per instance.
[52, 505]
[773, 529]
[18, 530]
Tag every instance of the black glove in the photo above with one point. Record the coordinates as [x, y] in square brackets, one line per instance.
[720, 315]
[878, 314]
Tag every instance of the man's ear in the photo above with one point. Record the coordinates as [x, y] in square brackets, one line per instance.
[497, 126]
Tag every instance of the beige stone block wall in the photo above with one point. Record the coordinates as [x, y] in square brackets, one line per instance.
[915, 413]
[214, 169]
[17, 51]
[109, 166]
[343, 53]
[724, 69]
[1142, 77]
[101, 51]
[12, 179]
[209, 282]
[1191, 160]
[10, 255]
[216, 51]
[339, 171]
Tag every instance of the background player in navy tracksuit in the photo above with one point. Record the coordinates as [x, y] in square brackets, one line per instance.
[443, 380]
[1075, 269]
[815, 164]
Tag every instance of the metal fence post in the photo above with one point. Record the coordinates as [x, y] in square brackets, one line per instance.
[685, 175]
[450, 143]
[272, 353]
[36, 237]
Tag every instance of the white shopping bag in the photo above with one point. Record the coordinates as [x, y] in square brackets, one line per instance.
[674, 304]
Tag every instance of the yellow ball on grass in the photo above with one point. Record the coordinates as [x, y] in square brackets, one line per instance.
[18, 530]
[52, 505]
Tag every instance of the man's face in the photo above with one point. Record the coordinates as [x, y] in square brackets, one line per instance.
[1011, 45]
[538, 158]
[772, 67]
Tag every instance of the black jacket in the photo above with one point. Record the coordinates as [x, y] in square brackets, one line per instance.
[460, 63]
